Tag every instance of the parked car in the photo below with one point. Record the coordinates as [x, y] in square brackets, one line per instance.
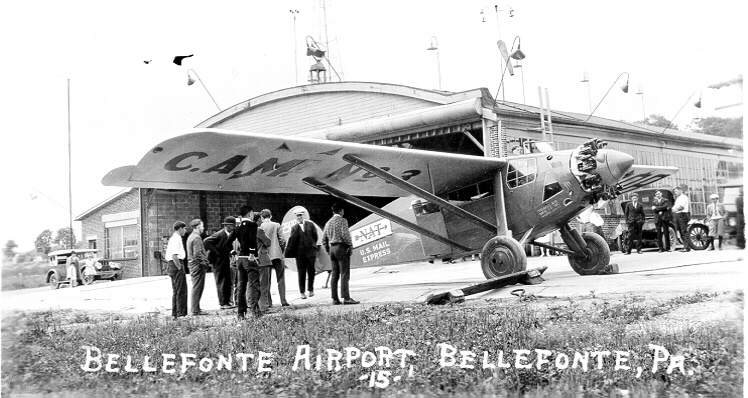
[649, 233]
[91, 268]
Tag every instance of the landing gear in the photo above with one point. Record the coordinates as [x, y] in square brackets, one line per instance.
[501, 256]
[595, 257]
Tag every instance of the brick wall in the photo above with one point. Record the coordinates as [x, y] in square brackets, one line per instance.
[93, 225]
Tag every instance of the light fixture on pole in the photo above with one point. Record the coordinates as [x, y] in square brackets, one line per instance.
[640, 92]
[435, 46]
[624, 87]
[696, 103]
[295, 47]
[191, 80]
[586, 79]
[516, 55]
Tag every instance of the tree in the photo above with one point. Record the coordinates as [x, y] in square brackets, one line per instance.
[65, 237]
[657, 121]
[10, 249]
[720, 126]
[43, 242]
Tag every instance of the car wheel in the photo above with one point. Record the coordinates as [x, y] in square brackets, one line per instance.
[115, 277]
[87, 279]
[698, 236]
[53, 282]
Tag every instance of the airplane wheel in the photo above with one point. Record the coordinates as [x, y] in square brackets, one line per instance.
[596, 255]
[502, 256]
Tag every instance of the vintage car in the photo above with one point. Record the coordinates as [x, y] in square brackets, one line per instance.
[91, 268]
[649, 233]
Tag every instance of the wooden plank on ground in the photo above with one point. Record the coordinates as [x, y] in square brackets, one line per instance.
[527, 277]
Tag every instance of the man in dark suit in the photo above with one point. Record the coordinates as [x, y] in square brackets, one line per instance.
[634, 214]
[302, 245]
[247, 262]
[663, 215]
[219, 249]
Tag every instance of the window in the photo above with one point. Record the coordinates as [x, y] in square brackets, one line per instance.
[122, 242]
[521, 172]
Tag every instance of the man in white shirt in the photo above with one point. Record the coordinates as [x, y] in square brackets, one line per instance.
[176, 254]
[682, 214]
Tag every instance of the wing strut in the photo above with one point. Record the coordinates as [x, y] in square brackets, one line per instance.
[355, 160]
[316, 184]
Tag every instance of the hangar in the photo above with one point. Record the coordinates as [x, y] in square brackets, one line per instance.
[135, 224]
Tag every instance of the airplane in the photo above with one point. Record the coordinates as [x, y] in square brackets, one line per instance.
[462, 204]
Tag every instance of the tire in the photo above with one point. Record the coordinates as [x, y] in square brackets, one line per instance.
[621, 241]
[115, 277]
[87, 279]
[502, 256]
[597, 256]
[698, 236]
[53, 282]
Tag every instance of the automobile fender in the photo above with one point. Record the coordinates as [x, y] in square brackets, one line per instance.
[619, 230]
[53, 272]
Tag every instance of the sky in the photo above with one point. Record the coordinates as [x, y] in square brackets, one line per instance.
[119, 106]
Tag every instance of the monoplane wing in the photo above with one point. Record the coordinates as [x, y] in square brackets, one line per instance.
[639, 176]
[212, 159]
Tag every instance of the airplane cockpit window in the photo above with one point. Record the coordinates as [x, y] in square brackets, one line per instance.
[521, 172]
[551, 189]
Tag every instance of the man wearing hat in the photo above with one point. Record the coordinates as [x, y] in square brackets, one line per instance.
[219, 249]
[682, 210]
[302, 245]
[715, 213]
[175, 253]
[663, 215]
[634, 215]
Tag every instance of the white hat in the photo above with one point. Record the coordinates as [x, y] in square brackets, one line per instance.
[714, 196]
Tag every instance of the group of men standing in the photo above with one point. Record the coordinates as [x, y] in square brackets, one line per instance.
[255, 247]
[665, 213]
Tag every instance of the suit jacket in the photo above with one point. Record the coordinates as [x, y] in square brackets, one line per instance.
[662, 210]
[219, 249]
[302, 244]
[277, 243]
[634, 214]
[263, 255]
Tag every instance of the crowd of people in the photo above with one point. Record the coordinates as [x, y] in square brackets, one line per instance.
[244, 254]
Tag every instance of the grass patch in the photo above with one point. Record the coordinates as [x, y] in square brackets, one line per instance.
[42, 351]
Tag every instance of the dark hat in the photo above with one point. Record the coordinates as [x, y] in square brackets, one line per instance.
[634, 194]
[194, 223]
[179, 225]
[229, 221]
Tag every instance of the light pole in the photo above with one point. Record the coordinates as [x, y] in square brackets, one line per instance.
[586, 79]
[435, 46]
[70, 172]
[640, 92]
[295, 47]
[190, 81]
[624, 88]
